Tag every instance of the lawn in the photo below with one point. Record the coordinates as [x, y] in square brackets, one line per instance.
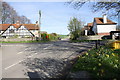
[100, 63]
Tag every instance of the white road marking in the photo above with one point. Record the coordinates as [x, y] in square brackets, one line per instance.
[20, 52]
[50, 52]
[11, 45]
[18, 62]
[48, 47]
[36, 53]
[23, 51]
[14, 64]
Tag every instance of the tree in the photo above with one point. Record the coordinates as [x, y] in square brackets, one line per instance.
[108, 5]
[74, 27]
[10, 16]
[0, 12]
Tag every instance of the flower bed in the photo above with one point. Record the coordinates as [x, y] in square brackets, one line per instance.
[100, 63]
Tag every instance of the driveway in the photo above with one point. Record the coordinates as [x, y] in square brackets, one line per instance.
[40, 60]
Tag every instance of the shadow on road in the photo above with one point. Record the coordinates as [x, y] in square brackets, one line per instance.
[54, 67]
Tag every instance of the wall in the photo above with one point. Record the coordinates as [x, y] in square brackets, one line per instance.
[94, 27]
[105, 28]
[96, 37]
[15, 39]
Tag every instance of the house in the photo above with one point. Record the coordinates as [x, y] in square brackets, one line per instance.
[20, 30]
[103, 26]
[88, 29]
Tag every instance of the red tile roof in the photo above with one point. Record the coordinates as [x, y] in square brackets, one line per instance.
[31, 26]
[90, 24]
[28, 26]
[100, 21]
[4, 26]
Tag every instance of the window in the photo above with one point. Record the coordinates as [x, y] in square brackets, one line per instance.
[11, 31]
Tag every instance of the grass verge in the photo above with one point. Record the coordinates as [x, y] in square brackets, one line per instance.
[24, 41]
[101, 63]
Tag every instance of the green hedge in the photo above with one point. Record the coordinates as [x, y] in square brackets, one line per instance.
[49, 37]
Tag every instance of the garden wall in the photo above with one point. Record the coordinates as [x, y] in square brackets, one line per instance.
[96, 37]
[15, 39]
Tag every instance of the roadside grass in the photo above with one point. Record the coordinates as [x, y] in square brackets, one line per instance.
[100, 63]
[78, 41]
[40, 41]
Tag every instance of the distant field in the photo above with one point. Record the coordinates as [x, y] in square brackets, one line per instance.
[63, 36]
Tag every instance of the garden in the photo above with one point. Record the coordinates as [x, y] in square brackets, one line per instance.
[100, 63]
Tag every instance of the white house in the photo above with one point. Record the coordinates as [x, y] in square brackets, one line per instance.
[103, 26]
[20, 30]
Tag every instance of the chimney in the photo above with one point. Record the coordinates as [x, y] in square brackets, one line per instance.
[18, 23]
[104, 18]
[37, 23]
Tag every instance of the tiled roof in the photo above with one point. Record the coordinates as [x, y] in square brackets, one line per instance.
[31, 26]
[4, 26]
[100, 21]
[28, 26]
[90, 24]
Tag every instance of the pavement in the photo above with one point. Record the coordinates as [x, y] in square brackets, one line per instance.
[40, 60]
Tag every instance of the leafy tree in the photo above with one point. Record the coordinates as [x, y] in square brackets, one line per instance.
[74, 27]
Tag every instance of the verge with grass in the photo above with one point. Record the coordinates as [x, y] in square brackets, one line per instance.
[24, 41]
[100, 63]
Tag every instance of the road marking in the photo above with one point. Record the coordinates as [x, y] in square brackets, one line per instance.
[18, 62]
[14, 64]
[12, 45]
[50, 52]
[20, 52]
[23, 51]
[48, 47]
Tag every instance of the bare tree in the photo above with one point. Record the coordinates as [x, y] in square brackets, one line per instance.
[10, 16]
[0, 12]
[108, 5]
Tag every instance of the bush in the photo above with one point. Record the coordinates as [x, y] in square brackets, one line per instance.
[49, 37]
[101, 63]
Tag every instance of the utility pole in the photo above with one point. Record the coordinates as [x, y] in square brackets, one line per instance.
[40, 22]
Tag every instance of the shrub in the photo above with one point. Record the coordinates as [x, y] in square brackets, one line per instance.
[101, 63]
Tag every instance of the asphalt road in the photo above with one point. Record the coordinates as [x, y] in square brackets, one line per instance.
[39, 60]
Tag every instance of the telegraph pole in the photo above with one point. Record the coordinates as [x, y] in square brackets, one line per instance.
[40, 22]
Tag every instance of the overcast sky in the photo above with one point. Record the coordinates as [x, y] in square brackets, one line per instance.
[55, 15]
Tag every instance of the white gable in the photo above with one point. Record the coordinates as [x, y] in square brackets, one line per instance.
[21, 31]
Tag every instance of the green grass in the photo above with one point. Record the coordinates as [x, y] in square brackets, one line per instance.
[100, 63]
[24, 41]
[62, 36]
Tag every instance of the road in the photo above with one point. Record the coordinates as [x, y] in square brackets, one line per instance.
[39, 60]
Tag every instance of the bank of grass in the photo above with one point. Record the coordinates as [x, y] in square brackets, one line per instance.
[100, 63]
[42, 41]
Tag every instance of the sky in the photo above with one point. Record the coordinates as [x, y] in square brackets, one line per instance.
[55, 16]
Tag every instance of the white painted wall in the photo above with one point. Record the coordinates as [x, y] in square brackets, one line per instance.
[105, 28]
[22, 31]
[94, 29]
[35, 32]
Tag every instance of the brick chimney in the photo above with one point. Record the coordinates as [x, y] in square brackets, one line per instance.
[18, 22]
[104, 18]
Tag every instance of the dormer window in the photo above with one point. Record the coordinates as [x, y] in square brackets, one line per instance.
[11, 31]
